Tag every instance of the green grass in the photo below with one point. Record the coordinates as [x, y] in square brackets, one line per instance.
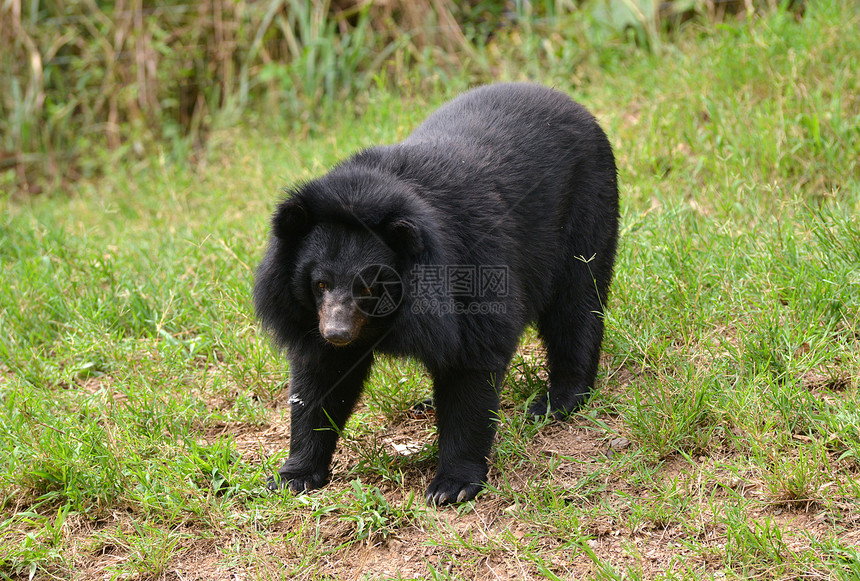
[141, 410]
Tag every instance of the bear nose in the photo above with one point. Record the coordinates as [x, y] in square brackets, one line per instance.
[339, 336]
[339, 322]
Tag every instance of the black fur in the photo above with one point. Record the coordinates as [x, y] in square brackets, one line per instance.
[510, 175]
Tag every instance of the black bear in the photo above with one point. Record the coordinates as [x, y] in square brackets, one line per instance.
[500, 210]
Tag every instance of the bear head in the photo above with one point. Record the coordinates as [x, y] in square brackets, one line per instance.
[339, 257]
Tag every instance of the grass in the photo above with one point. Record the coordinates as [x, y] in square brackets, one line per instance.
[141, 411]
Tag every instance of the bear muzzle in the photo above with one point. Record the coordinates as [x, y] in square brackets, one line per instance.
[340, 319]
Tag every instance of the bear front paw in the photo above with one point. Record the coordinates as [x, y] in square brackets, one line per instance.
[297, 482]
[444, 490]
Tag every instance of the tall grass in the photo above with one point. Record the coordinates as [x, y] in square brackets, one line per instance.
[84, 76]
[89, 82]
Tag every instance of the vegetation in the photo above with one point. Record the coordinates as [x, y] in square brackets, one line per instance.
[141, 411]
[90, 82]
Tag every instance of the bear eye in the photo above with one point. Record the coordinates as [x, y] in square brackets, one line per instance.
[366, 291]
[321, 285]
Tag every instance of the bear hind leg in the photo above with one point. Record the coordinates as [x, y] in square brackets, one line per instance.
[572, 332]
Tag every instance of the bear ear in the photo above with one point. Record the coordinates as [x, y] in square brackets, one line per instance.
[290, 221]
[404, 236]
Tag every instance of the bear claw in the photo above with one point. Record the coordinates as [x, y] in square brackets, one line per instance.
[297, 484]
[449, 491]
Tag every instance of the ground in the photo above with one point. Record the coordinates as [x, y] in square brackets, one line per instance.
[616, 517]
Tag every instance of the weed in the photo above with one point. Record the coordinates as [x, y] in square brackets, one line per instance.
[371, 515]
[675, 414]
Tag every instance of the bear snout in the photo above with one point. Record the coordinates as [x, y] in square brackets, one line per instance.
[340, 319]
